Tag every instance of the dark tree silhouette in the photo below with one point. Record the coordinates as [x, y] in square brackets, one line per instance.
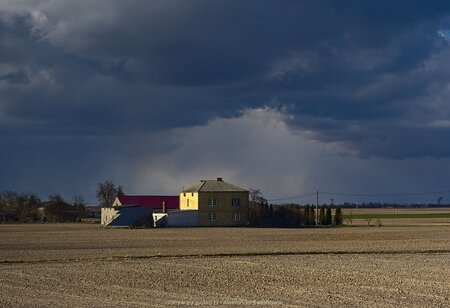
[328, 216]
[56, 197]
[107, 192]
[80, 205]
[312, 218]
[338, 217]
[322, 220]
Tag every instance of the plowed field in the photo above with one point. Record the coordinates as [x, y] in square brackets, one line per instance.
[83, 265]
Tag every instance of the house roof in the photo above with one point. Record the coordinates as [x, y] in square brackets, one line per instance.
[155, 202]
[218, 185]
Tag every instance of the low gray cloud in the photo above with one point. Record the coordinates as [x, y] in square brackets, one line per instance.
[257, 149]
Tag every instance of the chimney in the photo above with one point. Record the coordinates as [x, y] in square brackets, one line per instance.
[220, 179]
[164, 207]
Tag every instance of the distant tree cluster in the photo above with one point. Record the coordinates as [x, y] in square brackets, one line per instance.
[28, 207]
[324, 217]
[263, 214]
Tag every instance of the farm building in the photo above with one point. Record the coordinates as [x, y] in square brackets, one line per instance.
[217, 202]
[57, 211]
[154, 202]
[126, 216]
[177, 218]
[208, 203]
[136, 210]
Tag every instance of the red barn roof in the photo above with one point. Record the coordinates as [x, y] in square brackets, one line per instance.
[155, 202]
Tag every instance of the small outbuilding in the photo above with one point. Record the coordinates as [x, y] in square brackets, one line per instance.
[176, 218]
[137, 211]
[127, 216]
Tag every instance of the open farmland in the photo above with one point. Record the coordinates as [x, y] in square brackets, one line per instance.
[84, 265]
[397, 216]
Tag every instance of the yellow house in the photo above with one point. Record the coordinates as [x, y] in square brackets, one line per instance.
[218, 203]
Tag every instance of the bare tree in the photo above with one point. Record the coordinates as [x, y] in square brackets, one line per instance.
[80, 205]
[107, 192]
[8, 205]
[78, 200]
[256, 208]
[56, 197]
[256, 196]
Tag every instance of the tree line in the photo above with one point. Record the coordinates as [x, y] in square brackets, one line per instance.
[263, 214]
[28, 207]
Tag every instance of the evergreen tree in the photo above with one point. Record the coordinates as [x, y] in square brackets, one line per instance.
[300, 216]
[266, 209]
[306, 216]
[338, 217]
[322, 215]
[328, 216]
[312, 218]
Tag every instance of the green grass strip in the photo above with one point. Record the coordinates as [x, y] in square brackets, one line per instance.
[396, 216]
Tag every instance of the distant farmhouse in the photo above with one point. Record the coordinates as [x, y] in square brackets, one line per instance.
[208, 203]
[218, 203]
[57, 211]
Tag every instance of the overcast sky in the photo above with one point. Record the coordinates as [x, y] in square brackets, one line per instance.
[284, 96]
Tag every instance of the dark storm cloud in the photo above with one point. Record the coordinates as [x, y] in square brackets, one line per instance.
[371, 75]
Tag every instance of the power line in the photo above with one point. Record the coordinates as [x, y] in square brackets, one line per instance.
[360, 195]
[294, 197]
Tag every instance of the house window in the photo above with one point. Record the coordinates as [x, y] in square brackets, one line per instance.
[187, 203]
[236, 217]
[192, 194]
[212, 202]
[184, 194]
[235, 202]
[212, 216]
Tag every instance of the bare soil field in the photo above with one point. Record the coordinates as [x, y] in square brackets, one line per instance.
[84, 265]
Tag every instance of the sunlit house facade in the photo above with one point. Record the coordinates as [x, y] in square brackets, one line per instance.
[218, 203]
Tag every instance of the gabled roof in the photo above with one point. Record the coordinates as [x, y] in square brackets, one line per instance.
[155, 202]
[214, 186]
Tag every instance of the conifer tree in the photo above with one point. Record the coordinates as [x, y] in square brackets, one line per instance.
[322, 215]
[300, 217]
[306, 215]
[312, 217]
[338, 217]
[328, 216]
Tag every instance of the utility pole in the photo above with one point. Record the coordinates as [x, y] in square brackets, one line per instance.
[317, 207]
